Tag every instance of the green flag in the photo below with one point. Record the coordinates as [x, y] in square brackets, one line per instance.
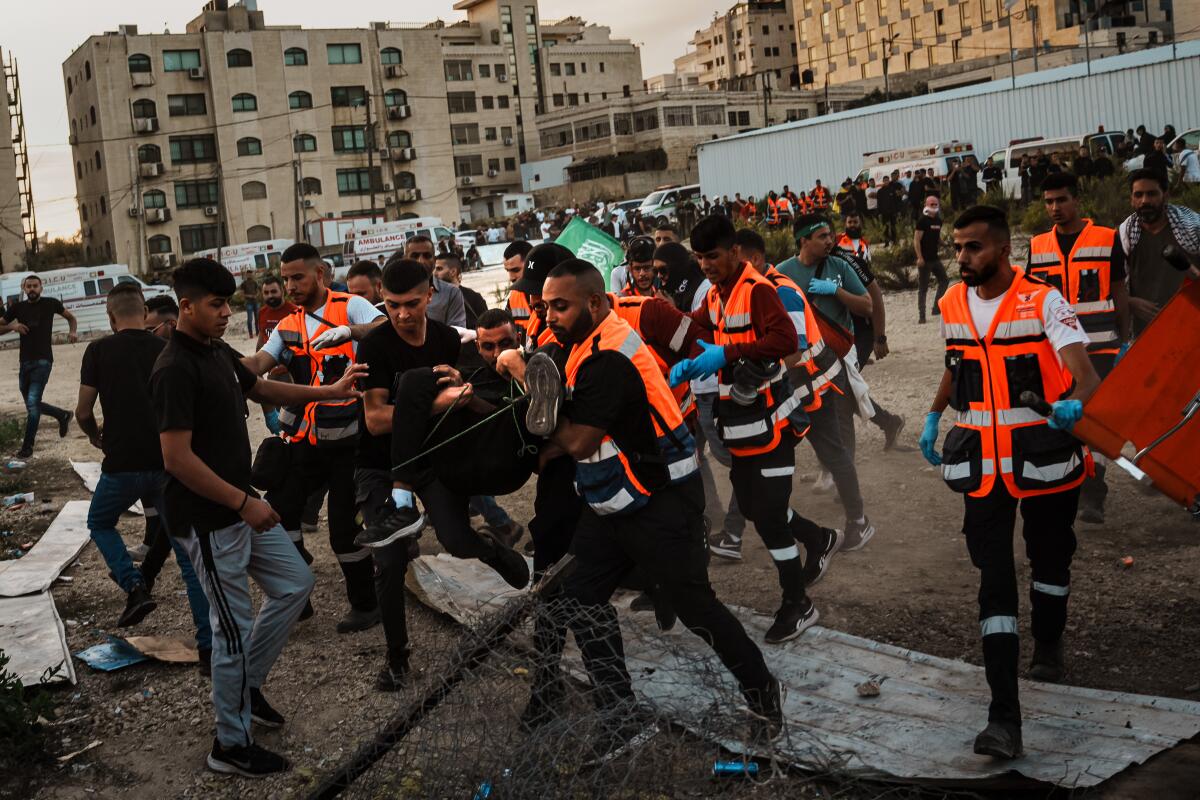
[592, 244]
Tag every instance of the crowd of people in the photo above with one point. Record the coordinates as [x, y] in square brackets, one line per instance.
[633, 392]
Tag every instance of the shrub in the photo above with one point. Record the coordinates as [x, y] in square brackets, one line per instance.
[23, 713]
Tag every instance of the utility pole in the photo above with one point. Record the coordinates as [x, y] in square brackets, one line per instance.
[136, 169]
[369, 138]
[1031, 10]
[887, 53]
[766, 78]
[296, 199]
[1012, 60]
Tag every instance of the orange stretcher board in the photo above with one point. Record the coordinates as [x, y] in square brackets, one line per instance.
[1148, 393]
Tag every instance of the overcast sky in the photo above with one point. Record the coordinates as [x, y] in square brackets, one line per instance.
[661, 28]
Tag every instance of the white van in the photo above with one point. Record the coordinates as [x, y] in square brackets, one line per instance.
[1066, 146]
[243, 259]
[936, 159]
[379, 242]
[81, 290]
[663, 201]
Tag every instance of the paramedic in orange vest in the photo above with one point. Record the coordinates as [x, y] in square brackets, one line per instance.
[1008, 333]
[760, 420]
[772, 216]
[637, 473]
[316, 344]
[539, 261]
[514, 264]
[819, 196]
[1086, 263]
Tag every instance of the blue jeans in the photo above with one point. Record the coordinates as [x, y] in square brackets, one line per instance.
[492, 513]
[116, 492]
[32, 379]
[252, 317]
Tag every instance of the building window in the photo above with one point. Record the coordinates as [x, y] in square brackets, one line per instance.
[144, 109]
[939, 18]
[245, 102]
[195, 194]
[185, 105]
[254, 190]
[390, 55]
[300, 100]
[399, 139]
[79, 174]
[344, 53]
[489, 134]
[678, 116]
[349, 139]
[394, 98]
[710, 115]
[295, 57]
[739, 119]
[258, 233]
[506, 133]
[461, 102]
[160, 243]
[70, 86]
[502, 101]
[87, 70]
[459, 71]
[149, 154]
[406, 180]
[353, 181]
[92, 114]
[569, 68]
[645, 120]
[180, 60]
[487, 102]
[310, 186]
[249, 146]
[138, 62]
[468, 165]
[464, 134]
[493, 165]
[193, 238]
[954, 49]
[623, 124]
[557, 100]
[154, 199]
[193, 149]
[304, 143]
[344, 96]
[572, 99]
[485, 71]
[555, 69]
[239, 58]
[510, 164]
[501, 72]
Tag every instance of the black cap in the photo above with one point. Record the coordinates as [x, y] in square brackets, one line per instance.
[641, 250]
[538, 263]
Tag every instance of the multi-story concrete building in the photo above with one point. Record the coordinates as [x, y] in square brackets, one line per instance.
[15, 201]
[841, 41]
[753, 43]
[236, 131]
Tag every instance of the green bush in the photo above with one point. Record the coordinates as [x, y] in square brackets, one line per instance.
[23, 714]
[12, 431]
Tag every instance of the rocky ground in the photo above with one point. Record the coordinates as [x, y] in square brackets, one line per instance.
[1132, 628]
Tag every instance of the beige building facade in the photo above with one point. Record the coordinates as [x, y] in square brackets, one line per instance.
[12, 231]
[752, 43]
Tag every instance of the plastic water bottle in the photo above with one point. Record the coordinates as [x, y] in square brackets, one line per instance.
[735, 769]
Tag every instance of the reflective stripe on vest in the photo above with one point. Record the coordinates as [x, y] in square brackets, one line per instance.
[994, 434]
[518, 308]
[630, 310]
[1084, 276]
[332, 422]
[820, 362]
[606, 479]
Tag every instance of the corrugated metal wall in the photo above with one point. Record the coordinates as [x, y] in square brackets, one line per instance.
[1147, 88]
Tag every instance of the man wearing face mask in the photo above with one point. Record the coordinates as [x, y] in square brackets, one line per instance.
[926, 240]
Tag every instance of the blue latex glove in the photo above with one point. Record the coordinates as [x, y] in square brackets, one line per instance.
[1065, 413]
[825, 286]
[703, 365]
[929, 437]
[1121, 353]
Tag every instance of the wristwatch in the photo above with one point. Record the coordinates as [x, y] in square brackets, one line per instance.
[881, 339]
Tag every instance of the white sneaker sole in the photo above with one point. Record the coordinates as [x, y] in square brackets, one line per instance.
[803, 625]
[725, 552]
[632, 744]
[545, 391]
[838, 541]
[866, 537]
[227, 768]
[403, 533]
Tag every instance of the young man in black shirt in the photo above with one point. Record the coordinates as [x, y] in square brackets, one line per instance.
[200, 386]
[416, 400]
[927, 238]
[116, 370]
[33, 319]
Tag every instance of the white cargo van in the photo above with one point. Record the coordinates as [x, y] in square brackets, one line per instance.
[379, 242]
[81, 290]
[937, 159]
[243, 259]
[1067, 147]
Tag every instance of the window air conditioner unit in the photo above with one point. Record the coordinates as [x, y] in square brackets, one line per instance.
[211, 211]
[406, 153]
[156, 215]
[502, 77]
[308, 203]
[398, 112]
[508, 140]
[466, 181]
[385, 154]
[389, 200]
[387, 187]
[142, 79]
[493, 173]
[392, 71]
[163, 260]
[146, 125]
[134, 211]
[152, 170]
[406, 195]
[196, 73]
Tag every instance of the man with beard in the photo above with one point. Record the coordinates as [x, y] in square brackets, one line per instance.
[274, 309]
[1153, 225]
[641, 280]
[1007, 333]
[365, 279]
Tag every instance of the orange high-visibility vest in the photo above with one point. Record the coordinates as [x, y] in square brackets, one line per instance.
[821, 364]
[518, 308]
[994, 432]
[746, 430]
[332, 422]
[630, 310]
[1084, 276]
[846, 243]
[772, 212]
[606, 480]
[820, 197]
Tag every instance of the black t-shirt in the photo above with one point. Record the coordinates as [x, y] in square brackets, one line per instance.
[931, 234]
[201, 387]
[39, 318]
[119, 368]
[387, 356]
[475, 305]
[1116, 272]
[610, 394]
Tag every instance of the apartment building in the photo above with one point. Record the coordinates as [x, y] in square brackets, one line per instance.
[752, 43]
[236, 131]
[840, 41]
[13, 193]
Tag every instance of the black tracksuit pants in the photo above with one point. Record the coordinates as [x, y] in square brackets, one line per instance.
[763, 487]
[1049, 545]
[664, 540]
[332, 467]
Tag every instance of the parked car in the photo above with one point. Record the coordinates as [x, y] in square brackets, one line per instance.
[1191, 139]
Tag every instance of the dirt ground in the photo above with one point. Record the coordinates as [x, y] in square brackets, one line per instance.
[1131, 628]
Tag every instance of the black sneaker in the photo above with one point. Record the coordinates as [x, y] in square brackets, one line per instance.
[307, 612]
[1000, 740]
[65, 423]
[25, 452]
[767, 707]
[391, 679]
[262, 713]
[817, 564]
[1048, 664]
[623, 733]
[726, 546]
[137, 606]
[396, 523]
[791, 620]
[358, 620]
[857, 535]
[543, 381]
[250, 761]
[510, 564]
